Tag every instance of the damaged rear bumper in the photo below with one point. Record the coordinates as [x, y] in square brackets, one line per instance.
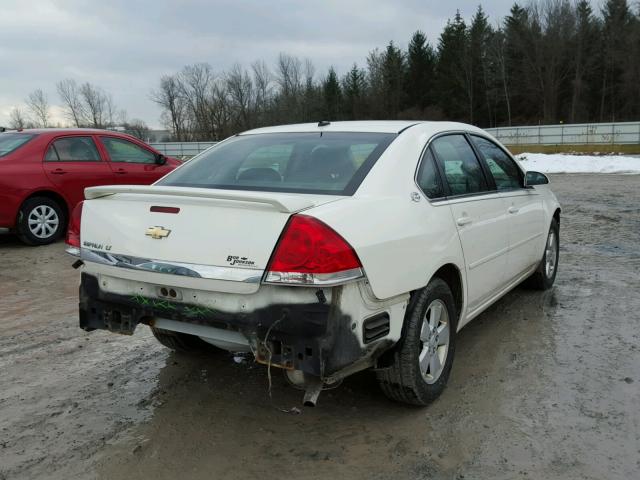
[323, 338]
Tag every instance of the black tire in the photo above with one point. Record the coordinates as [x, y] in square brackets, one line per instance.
[540, 279]
[29, 209]
[403, 381]
[181, 342]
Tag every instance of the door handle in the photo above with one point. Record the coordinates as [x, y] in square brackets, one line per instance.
[58, 171]
[121, 171]
[462, 221]
[513, 210]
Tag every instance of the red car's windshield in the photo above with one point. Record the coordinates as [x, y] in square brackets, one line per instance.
[11, 141]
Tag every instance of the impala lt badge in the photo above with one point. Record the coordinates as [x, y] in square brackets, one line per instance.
[157, 232]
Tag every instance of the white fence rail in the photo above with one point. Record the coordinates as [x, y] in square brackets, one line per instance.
[571, 134]
[182, 149]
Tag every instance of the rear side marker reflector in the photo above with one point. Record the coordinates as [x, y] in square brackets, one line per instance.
[164, 209]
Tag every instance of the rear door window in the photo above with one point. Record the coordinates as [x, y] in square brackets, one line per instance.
[73, 149]
[329, 163]
[460, 165]
[428, 177]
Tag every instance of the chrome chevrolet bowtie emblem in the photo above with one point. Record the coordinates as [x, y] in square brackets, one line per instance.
[157, 232]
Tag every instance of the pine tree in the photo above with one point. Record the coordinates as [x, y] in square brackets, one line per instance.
[332, 96]
[554, 24]
[419, 84]
[617, 22]
[479, 37]
[353, 87]
[584, 59]
[393, 72]
[452, 71]
[516, 52]
[632, 75]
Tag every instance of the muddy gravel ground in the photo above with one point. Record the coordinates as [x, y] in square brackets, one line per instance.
[544, 385]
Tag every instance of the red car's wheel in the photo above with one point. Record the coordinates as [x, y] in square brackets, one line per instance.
[41, 221]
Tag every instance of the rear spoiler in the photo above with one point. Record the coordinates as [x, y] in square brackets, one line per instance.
[285, 203]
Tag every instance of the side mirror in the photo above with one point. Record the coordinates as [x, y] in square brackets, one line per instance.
[160, 159]
[535, 178]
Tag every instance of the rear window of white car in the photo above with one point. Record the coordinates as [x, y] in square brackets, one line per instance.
[327, 163]
[11, 141]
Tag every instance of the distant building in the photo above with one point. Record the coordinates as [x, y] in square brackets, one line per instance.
[156, 136]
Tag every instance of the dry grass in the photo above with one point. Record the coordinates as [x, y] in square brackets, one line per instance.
[602, 149]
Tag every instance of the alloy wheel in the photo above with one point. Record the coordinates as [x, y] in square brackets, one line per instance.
[550, 255]
[434, 336]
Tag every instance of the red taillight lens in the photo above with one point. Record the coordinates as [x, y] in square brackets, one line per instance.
[311, 252]
[73, 231]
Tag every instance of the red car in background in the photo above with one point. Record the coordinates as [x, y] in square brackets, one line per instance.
[43, 174]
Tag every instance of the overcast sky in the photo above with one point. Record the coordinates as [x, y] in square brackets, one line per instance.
[125, 46]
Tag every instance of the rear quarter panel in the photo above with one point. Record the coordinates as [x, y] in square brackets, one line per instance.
[400, 242]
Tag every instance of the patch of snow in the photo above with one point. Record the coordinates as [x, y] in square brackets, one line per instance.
[560, 163]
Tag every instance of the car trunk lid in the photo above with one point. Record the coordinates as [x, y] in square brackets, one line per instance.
[236, 230]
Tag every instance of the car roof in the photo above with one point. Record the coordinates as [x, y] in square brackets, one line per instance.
[372, 126]
[91, 131]
[75, 131]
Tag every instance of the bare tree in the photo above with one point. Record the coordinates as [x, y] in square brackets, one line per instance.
[289, 69]
[242, 96]
[122, 117]
[38, 105]
[309, 94]
[99, 106]
[72, 101]
[220, 110]
[262, 80]
[499, 58]
[138, 128]
[169, 97]
[17, 120]
[375, 82]
[556, 19]
[92, 99]
[111, 111]
[196, 87]
[309, 72]
[289, 80]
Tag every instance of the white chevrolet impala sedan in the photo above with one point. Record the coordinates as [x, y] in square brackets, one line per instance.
[322, 249]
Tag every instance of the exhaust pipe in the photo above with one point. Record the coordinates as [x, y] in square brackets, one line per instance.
[313, 387]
